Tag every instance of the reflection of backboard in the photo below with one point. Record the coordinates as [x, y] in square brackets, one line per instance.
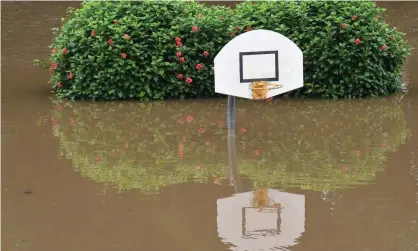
[259, 55]
[247, 228]
[260, 222]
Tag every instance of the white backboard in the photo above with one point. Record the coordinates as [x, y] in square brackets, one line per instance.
[256, 56]
[238, 221]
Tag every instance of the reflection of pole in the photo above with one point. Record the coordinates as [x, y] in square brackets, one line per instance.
[232, 152]
[231, 113]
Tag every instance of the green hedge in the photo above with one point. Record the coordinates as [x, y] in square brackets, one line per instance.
[292, 145]
[111, 50]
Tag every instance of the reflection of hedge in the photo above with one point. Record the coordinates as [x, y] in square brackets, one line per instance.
[313, 144]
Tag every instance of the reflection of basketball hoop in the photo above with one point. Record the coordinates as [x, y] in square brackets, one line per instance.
[260, 89]
[270, 210]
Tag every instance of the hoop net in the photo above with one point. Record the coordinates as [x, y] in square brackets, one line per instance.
[261, 88]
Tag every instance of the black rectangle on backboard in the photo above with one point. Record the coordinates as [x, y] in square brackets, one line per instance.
[252, 53]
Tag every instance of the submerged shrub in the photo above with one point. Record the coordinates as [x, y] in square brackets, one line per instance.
[349, 51]
[154, 50]
[115, 50]
[197, 36]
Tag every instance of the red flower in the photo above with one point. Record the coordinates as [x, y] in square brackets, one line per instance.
[65, 51]
[70, 75]
[344, 169]
[384, 47]
[249, 28]
[194, 28]
[181, 60]
[357, 41]
[115, 21]
[205, 53]
[179, 44]
[54, 66]
[59, 85]
[200, 130]
[199, 66]
[180, 76]
[178, 40]
[190, 118]
[54, 51]
[189, 80]
[110, 42]
[92, 33]
[353, 18]
[123, 55]
[243, 130]
[126, 36]
[232, 34]
[178, 54]
[343, 26]
[238, 29]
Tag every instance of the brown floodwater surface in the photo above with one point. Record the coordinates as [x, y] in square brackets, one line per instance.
[338, 175]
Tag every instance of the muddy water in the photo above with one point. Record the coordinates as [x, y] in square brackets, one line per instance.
[339, 175]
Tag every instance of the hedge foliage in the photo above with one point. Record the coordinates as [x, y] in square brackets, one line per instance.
[115, 145]
[146, 50]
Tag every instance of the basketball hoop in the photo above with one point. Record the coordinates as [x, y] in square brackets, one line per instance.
[260, 88]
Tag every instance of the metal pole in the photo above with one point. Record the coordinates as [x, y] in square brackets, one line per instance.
[231, 113]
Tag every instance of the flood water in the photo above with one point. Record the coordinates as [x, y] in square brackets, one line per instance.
[155, 176]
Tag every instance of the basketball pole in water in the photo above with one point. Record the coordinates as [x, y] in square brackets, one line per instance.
[253, 57]
[232, 153]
